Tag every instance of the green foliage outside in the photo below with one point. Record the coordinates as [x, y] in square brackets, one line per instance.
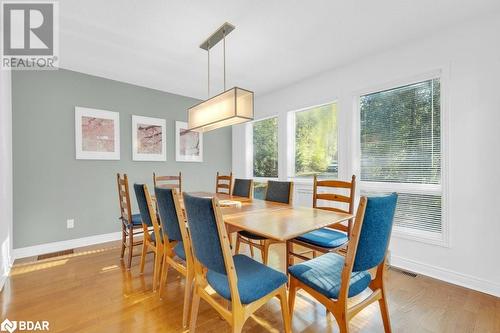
[316, 142]
[265, 148]
[400, 134]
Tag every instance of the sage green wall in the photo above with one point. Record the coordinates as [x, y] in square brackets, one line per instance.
[51, 186]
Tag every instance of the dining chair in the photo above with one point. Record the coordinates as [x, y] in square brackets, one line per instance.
[131, 223]
[152, 241]
[333, 237]
[332, 278]
[276, 191]
[243, 187]
[176, 243]
[168, 181]
[246, 283]
[223, 184]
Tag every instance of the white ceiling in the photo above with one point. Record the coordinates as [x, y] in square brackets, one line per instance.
[155, 43]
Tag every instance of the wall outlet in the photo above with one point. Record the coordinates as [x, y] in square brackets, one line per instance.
[70, 224]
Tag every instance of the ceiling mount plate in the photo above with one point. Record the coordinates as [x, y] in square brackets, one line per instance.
[217, 36]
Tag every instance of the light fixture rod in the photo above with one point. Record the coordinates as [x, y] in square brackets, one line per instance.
[208, 71]
[224, 43]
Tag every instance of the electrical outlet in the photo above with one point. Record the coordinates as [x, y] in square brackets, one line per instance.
[70, 224]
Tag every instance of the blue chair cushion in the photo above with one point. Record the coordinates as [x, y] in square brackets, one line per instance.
[324, 237]
[248, 234]
[136, 219]
[324, 275]
[255, 280]
[179, 250]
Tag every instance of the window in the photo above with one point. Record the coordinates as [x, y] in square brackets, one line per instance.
[265, 148]
[401, 151]
[316, 142]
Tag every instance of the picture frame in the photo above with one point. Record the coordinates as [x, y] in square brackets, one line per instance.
[149, 139]
[97, 134]
[188, 144]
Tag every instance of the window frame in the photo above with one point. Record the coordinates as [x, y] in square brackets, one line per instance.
[290, 137]
[249, 137]
[442, 239]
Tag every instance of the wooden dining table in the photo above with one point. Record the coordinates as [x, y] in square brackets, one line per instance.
[273, 220]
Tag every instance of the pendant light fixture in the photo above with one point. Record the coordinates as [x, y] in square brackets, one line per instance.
[231, 107]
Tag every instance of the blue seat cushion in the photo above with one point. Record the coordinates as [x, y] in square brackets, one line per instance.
[136, 220]
[179, 250]
[323, 274]
[255, 280]
[248, 234]
[324, 237]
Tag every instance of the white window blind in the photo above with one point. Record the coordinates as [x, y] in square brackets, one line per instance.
[401, 151]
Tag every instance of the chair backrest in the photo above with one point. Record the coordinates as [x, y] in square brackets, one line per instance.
[223, 183]
[124, 198]
[333, 186]
[147, 210]
[279, 192]
[375, 232]
[203, 229]
[243, 187]
[168, 181]
[168, 214]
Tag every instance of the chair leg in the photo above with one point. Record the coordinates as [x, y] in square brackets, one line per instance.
[130, 247]
[238, 243]
[195, 303]
[341, 321]
[157, 268]
[385, 313]
[187, 298]
[264, 252]
[163, 276]
[292, 291]
[285, 312]
[289, 256]
[124, 239]
[251, 247]
[238, 321]
[143, 255]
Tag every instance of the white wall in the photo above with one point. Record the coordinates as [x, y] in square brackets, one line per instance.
[5, 175]
[469, 57]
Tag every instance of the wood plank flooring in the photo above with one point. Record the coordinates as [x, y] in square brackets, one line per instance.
[91, 291]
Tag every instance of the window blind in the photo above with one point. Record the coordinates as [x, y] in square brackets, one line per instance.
[400, 139]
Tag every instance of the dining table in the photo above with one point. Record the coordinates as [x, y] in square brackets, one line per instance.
[273, 220]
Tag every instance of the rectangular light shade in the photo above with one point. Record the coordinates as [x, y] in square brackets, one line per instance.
[233, 106]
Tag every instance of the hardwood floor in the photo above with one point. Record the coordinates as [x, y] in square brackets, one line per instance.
[91, 291]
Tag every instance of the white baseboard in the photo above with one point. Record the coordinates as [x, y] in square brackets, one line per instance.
[36, 250]
[464, 280]
[5, 275]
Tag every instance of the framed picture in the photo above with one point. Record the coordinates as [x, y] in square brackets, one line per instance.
[149, 141]
[188, 144]
[97, 134]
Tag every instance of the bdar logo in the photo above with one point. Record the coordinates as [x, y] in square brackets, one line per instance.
[9, 326]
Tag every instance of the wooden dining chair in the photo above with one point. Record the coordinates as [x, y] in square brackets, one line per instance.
[168, 181]
[152, 241]
[131, 223]
[332, 278]
[223, 184]
[243, 188]
[336, 236]
[276, 191]
[245, 282]
[176, 243]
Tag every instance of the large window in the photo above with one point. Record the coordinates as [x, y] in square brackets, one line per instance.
[265, 148]
[401, 151]
[316, 142]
